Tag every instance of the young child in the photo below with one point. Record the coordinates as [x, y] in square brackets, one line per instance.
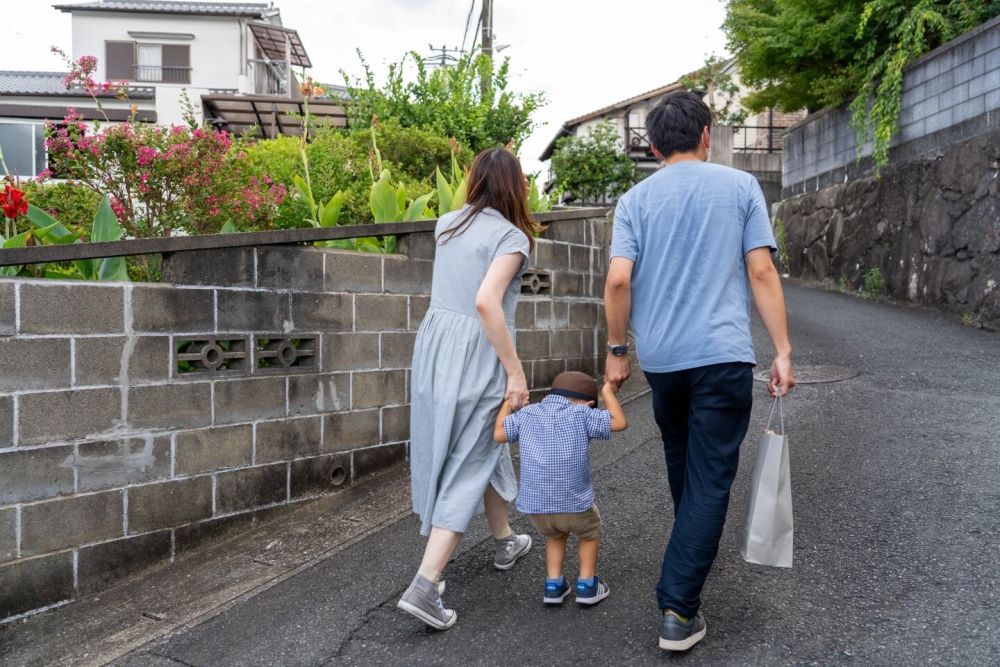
[556, 491]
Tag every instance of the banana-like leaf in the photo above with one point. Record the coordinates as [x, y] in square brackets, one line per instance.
[306, 192]
[458, 199]
[331, 210]
[384, 202]
[389, 245]
[444, 193]
[418, 208]
[58, 233]
[368, 244]
[107, 228]
[18, 241]
[228, 228]
[400, 202]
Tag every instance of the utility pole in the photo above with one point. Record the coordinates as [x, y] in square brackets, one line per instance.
[444, 57]
[486, 27]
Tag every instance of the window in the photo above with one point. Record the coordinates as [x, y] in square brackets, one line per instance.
[23, 146]
[148, 63]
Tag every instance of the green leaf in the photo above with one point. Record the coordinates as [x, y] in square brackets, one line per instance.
[400, 200]
[368, 244]
[228, 228]
[384, 203]
[458, 199]
[331, 211]
[107, 228]
[418, 208]
[18, 241]
[444, 193]
[306, 192]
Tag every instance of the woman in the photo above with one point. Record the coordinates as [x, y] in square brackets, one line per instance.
[464, 365]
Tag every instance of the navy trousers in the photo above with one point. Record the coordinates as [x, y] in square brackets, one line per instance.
[703, 414]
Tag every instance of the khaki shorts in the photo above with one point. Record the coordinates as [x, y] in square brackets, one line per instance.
[585, 525]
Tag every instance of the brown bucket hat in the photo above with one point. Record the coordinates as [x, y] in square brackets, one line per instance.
[574, 384]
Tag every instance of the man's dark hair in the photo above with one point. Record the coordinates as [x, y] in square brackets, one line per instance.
[675, 124]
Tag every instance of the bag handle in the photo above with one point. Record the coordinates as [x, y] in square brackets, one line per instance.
[781, 415]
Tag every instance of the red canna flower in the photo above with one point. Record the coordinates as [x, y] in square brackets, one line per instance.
[13, 202]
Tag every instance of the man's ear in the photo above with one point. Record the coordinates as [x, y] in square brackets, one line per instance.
[706, 138]
[656, 152]
[592, 404]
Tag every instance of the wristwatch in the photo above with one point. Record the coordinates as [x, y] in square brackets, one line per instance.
[619, 350]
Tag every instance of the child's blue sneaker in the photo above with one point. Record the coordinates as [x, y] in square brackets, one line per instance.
[591, 592]
[555, 591]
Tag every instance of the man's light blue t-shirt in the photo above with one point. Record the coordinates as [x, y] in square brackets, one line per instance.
[688, 228]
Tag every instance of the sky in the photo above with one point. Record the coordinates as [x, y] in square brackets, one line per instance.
[582, 54]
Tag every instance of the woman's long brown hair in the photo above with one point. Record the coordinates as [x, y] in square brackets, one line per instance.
[496, 181]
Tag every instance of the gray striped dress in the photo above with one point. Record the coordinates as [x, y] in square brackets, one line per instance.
[457, 383]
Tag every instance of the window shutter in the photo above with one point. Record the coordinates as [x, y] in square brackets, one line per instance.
[119, 58]
[177, 56]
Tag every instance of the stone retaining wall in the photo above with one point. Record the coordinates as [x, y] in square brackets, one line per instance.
[137, 420]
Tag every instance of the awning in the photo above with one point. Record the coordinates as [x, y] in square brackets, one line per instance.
[271, 40]
[266, 115]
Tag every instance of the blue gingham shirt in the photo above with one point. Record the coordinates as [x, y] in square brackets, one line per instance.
[554, 438]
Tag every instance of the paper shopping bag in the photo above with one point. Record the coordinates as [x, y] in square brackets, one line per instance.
[767, 534]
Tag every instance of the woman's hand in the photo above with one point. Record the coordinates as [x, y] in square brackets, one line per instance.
[517, 389]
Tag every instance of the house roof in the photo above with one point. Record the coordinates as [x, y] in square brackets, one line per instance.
[272, 40]
[50, 84]
[257, 10]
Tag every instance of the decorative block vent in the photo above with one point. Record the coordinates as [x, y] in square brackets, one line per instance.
[536, 282]
[283, 353]
[211, 355]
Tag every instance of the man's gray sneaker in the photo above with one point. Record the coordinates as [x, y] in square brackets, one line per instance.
[423, 600]
[509, 549]
[676, 635]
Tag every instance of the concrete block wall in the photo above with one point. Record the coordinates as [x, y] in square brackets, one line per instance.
[137, 420]
[949, 96]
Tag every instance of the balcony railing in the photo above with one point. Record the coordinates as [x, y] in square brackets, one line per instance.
[269, 77]
[637, 140]
[161, 74]
[757, 138]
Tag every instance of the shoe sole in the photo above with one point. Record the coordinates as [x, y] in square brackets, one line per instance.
[558, 600]
[683, 644]
[595, 599]
[509, 565]
[419, 613]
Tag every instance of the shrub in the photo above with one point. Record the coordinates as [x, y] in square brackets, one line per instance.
[593, 168]
[70, 203]
[874, 284]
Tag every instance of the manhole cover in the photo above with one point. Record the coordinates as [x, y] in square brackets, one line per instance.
[814, 374]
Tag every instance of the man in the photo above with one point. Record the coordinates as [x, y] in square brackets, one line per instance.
[689, 245]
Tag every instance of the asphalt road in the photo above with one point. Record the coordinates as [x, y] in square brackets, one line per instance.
[896, 486]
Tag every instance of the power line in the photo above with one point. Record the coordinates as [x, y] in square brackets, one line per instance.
[468, 22]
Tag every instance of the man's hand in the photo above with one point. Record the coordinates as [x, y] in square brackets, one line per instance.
[782, 378]
[616, 371]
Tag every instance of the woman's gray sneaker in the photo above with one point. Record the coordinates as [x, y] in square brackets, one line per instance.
[676, 635]
[509, 549]
[423, 600]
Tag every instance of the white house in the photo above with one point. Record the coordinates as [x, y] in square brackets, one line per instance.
[234, 60]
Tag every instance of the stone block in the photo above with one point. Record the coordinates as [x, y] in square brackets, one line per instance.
[33, 474]
[418, 309]
[552, 314]
[583, 365]
[40, 363]
[177, 405]
[567, 343]
[590, 345]
[407, 276]
[288, 439]
[579, 258]
[34, 583]
[294, 268]
[350, 430]
[65, 415]
[67, 522]
[98, 360]
[353, 272]
[417, 246]
[349, 351]
[380, 312]
[8, 305]
[189, 536]
[396, 423]
[169, 504]
[377, 459]
[583, 315]
[550, 256]
[371, 389]
[397, 350]
[533, 344]
[320, 474]
[100, 565]
[249, 488]
[545, 371]
[231, 267]
[209, 449]
[249, 399]
[114, 463]
[72, 309]
[6, 421]
[325, 312]
[565, 283]
[313, 394]
[253, 311]
[568, 231]
[8, 534]
[970, 108]
[524, 317]
[164, 309]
